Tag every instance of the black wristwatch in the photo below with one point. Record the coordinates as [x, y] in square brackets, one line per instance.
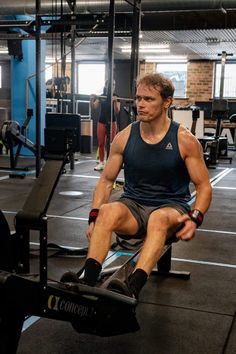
[196, 216]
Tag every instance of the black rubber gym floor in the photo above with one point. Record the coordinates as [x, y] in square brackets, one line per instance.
[195, 316]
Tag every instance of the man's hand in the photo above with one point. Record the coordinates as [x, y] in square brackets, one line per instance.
[187, 232]
[90, 230]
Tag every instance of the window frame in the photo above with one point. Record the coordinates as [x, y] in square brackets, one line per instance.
[186, 76]
[230, 77]
[98, 91]
[48, 65]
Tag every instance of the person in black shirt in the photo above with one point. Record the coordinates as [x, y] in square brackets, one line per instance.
[104, 123]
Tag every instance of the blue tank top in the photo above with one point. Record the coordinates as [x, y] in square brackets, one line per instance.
[155, 174]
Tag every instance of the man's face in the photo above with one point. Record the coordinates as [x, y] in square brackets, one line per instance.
[150, 104]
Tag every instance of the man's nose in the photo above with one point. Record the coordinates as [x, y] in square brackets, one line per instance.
[141, 102]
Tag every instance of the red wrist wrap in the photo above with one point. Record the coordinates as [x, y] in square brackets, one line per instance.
[196, 216]
[93, 214]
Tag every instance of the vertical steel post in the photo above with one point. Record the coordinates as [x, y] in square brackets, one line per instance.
[73, 69]
[111, 32]
[38, 88]
[134, 60]
[222, 75]
[72, 5]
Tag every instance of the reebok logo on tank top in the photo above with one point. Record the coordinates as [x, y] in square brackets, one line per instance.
[169, 146]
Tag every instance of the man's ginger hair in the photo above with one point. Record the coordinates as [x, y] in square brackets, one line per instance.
[158, 80]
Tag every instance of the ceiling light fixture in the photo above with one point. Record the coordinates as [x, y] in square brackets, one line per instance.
[167, 59]
[212, 40]
[147, 46]
[150, 50]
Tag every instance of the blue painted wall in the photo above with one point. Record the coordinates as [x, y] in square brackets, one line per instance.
[21, 72]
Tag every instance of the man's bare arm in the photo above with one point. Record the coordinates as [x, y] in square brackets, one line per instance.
[192, 153]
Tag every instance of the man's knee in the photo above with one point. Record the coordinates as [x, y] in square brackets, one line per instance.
[107, 216]
[159, 216]
[112, 215]
[164, 218]
[104, 210]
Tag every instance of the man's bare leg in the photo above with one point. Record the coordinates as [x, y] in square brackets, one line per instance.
[112, 217]
[160, 223]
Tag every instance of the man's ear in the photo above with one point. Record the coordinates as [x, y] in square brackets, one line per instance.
[168, 102]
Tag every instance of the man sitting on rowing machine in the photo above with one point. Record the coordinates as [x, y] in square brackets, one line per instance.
[160, 158]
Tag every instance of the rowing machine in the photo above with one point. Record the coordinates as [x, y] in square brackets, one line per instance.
[92, 310]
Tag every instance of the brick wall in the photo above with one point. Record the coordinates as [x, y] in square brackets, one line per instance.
[200, 81]
[147, 68]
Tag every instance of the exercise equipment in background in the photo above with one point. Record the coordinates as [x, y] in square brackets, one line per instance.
[216, 147]
[14, 137]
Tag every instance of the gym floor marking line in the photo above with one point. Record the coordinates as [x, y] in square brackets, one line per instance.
[120, 253]
[226, 265]
[18, 172]
[68, 247]
[213, 181]
[82, 176]
[29, 321]
[4, 177]
[84, 161]
[219, 177]
[229, 188]
[67, 217]
[218, 231]
[52, 216]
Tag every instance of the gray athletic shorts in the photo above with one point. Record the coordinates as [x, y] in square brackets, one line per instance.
[142, 212]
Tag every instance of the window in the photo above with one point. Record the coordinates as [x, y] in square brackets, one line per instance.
[229, 80]
[48, 72]
[178, 75]
[91, 78]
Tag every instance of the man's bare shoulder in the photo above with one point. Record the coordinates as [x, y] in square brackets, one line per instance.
[188, 143]
[121, 138]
